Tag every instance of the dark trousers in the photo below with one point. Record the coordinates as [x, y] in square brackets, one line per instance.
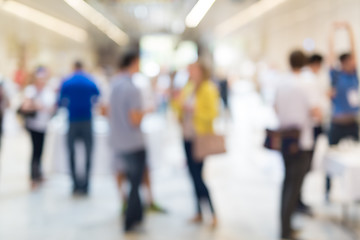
[37, 142]
[317, 131]
[195, 169]
[224, 92]
[80, 131]
[134, 168]
[1, 129]
[336, 134]
[296, 166]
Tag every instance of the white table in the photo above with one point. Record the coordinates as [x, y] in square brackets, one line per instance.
[344, 164]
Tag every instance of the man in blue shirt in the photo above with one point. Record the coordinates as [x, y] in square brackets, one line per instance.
[79, 94]
[345, 93]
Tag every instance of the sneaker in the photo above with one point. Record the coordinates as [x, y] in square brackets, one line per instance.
[156, 208]
[124, 208]
[304, 210]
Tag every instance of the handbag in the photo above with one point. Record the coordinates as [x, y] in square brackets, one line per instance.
[209, 144]
[284, 140]
[25, 113]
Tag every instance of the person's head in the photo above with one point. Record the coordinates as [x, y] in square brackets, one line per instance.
[198, 72]
[347, 62]
[40, 77]
[297, 60]
[315, 62]
[130, 62]
[78, 66]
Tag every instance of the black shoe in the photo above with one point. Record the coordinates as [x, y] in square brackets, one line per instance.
[128, 227]
[76, 190]
[304, 210]
[84, 191]
[136, 228]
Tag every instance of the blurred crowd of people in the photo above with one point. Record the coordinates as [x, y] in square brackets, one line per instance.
[303, 102]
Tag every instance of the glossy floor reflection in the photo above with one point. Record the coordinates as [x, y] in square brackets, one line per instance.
[245, 185]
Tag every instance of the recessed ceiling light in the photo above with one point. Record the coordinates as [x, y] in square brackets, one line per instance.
[198, 13]
[101, 22]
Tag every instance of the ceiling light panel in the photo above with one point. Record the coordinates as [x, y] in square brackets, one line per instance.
[101, 22]
[49, 22]
[198, 13]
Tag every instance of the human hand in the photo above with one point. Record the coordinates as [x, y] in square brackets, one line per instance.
[337, 25]
[28, 105]
[332, 93]
[341, 24]
[316, 113]
[150, 110]
[188, 108]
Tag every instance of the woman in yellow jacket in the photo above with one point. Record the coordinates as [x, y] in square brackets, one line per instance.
[197, 107]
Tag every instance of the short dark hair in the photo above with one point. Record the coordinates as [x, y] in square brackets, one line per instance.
[344, 57]
[78, 65]
[128, 58]
[297, 59]
[315, 59]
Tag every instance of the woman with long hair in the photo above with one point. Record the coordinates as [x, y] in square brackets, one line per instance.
[197, 107]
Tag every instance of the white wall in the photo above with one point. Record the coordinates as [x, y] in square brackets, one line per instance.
[273, 36]
[43, 47]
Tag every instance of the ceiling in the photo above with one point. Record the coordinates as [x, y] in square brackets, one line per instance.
[140, 17]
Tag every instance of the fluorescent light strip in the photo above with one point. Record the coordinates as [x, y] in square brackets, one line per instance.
[246, 16]
[44, 20]
[97, 19]
[198, 13]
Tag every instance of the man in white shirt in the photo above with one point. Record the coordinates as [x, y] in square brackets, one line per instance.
[322, 85]
[319, 87]
[295, 106]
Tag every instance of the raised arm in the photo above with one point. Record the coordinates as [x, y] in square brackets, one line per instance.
[350, 31]
[332, 55]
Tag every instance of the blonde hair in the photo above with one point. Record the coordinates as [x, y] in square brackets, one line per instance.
[205, 69]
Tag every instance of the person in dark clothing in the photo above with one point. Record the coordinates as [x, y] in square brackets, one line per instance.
[79, 94]
[224, 92]
[4, 103]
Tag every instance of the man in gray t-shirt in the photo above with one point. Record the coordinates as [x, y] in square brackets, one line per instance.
[125, 100]
[127, 140]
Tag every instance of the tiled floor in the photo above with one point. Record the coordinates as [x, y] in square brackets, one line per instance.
[245, 185]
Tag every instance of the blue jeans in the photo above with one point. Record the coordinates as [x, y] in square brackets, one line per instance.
[81, 131]
[195, 169]
[134, 169]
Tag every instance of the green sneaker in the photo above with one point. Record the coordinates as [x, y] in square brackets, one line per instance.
[124, 208]
[153, 207]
